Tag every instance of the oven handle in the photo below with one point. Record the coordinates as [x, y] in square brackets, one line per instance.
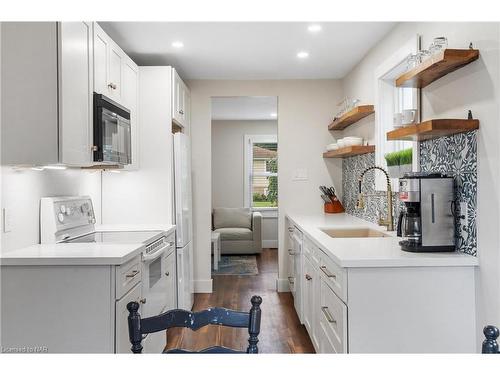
[155, 255]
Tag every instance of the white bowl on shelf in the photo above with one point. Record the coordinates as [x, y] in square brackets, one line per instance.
[332, 147]
[353, 141]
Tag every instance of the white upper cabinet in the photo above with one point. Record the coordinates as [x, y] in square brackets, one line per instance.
[75, 88]
[47, 84]
[108, 62]
[116, 76]
[130, 99]
[181, 101]
[116, 56]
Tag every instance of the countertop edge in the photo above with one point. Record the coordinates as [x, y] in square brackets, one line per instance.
[462, 261]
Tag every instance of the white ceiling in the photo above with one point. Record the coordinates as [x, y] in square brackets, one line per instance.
[249, 50]
[245, 108]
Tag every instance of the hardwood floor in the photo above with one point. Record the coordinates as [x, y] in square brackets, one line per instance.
[281, 331]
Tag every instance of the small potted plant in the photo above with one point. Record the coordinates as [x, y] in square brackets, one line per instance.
[405, 161]
[399, 162]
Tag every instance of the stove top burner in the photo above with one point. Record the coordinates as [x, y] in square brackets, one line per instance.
[116, 237]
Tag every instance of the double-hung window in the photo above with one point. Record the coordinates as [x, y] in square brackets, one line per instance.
[261, 171]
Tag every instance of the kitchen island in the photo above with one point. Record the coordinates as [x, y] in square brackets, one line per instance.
[365, 295]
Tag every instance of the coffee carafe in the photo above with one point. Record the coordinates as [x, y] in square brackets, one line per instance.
[426, 222]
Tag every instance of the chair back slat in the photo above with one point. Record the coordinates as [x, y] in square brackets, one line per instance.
[195, 320]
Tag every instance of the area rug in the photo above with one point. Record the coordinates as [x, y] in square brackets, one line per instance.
[237, 265]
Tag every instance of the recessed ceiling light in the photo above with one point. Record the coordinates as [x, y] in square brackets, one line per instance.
[177, 44]
[303, 55]
[314, 28]
[273, 114]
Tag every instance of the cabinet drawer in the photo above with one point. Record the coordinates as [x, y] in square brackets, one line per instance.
[333, 318]
[312, 252]
[127, 275]
[335, 276]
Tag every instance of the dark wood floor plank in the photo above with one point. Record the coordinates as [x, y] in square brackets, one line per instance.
[281, 331]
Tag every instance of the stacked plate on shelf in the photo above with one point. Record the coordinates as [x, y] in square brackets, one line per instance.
[345, 142]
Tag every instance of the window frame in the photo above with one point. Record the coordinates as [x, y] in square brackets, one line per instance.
[249, 141]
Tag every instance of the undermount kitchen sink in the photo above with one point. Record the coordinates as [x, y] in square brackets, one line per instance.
[361, 232]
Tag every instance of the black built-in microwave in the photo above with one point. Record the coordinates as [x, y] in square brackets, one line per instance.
[112, 133]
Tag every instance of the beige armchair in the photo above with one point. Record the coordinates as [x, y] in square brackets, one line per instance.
[240, 230]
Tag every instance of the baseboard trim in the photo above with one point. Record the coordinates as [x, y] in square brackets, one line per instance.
[203, 286]
[282, 285]
[273, 244]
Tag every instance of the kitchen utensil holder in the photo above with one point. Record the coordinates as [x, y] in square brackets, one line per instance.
[334, 207]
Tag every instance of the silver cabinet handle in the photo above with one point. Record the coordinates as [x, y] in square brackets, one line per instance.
[327, 272]
[291, 252]
[143, 301]
[290, 229]
[132, 274]
[308, 277]
[181, 111]
[111, 85]
[167, 273]
[290, 280]
[328, 316]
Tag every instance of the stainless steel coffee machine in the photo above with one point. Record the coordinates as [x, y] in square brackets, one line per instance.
[426, 223]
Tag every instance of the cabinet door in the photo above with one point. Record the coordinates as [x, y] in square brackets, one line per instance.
[308, 295]
[176, 98]
[171, 285]
[122, 343]
[101, 61]
[115, 71]
[75, 92]
[130, 100]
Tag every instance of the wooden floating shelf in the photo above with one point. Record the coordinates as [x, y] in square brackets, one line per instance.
[354, 115]
[436, 67]
[345, 152]
[432, 129]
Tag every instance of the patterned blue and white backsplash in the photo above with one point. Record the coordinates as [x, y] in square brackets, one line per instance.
[454, 155]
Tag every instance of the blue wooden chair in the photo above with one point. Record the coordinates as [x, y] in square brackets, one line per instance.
[490, 344]
[196, 320]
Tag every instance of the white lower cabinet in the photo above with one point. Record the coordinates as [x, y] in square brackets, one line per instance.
[333, 318]
[122, 343]
[426, 309]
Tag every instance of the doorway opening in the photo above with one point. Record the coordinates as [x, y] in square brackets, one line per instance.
[244, 187]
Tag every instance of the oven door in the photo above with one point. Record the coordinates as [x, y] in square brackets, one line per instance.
[112, 133]
[155, 282]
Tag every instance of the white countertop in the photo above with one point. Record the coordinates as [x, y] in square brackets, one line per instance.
[373, 251]
[82, 254]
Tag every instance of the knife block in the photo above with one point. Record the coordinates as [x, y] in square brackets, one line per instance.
[334, 207]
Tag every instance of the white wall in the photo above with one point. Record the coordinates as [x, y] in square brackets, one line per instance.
[228, 155]
[228, 150]
[145, 196]
[473, 87]
[21, 193]
[305, 107]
